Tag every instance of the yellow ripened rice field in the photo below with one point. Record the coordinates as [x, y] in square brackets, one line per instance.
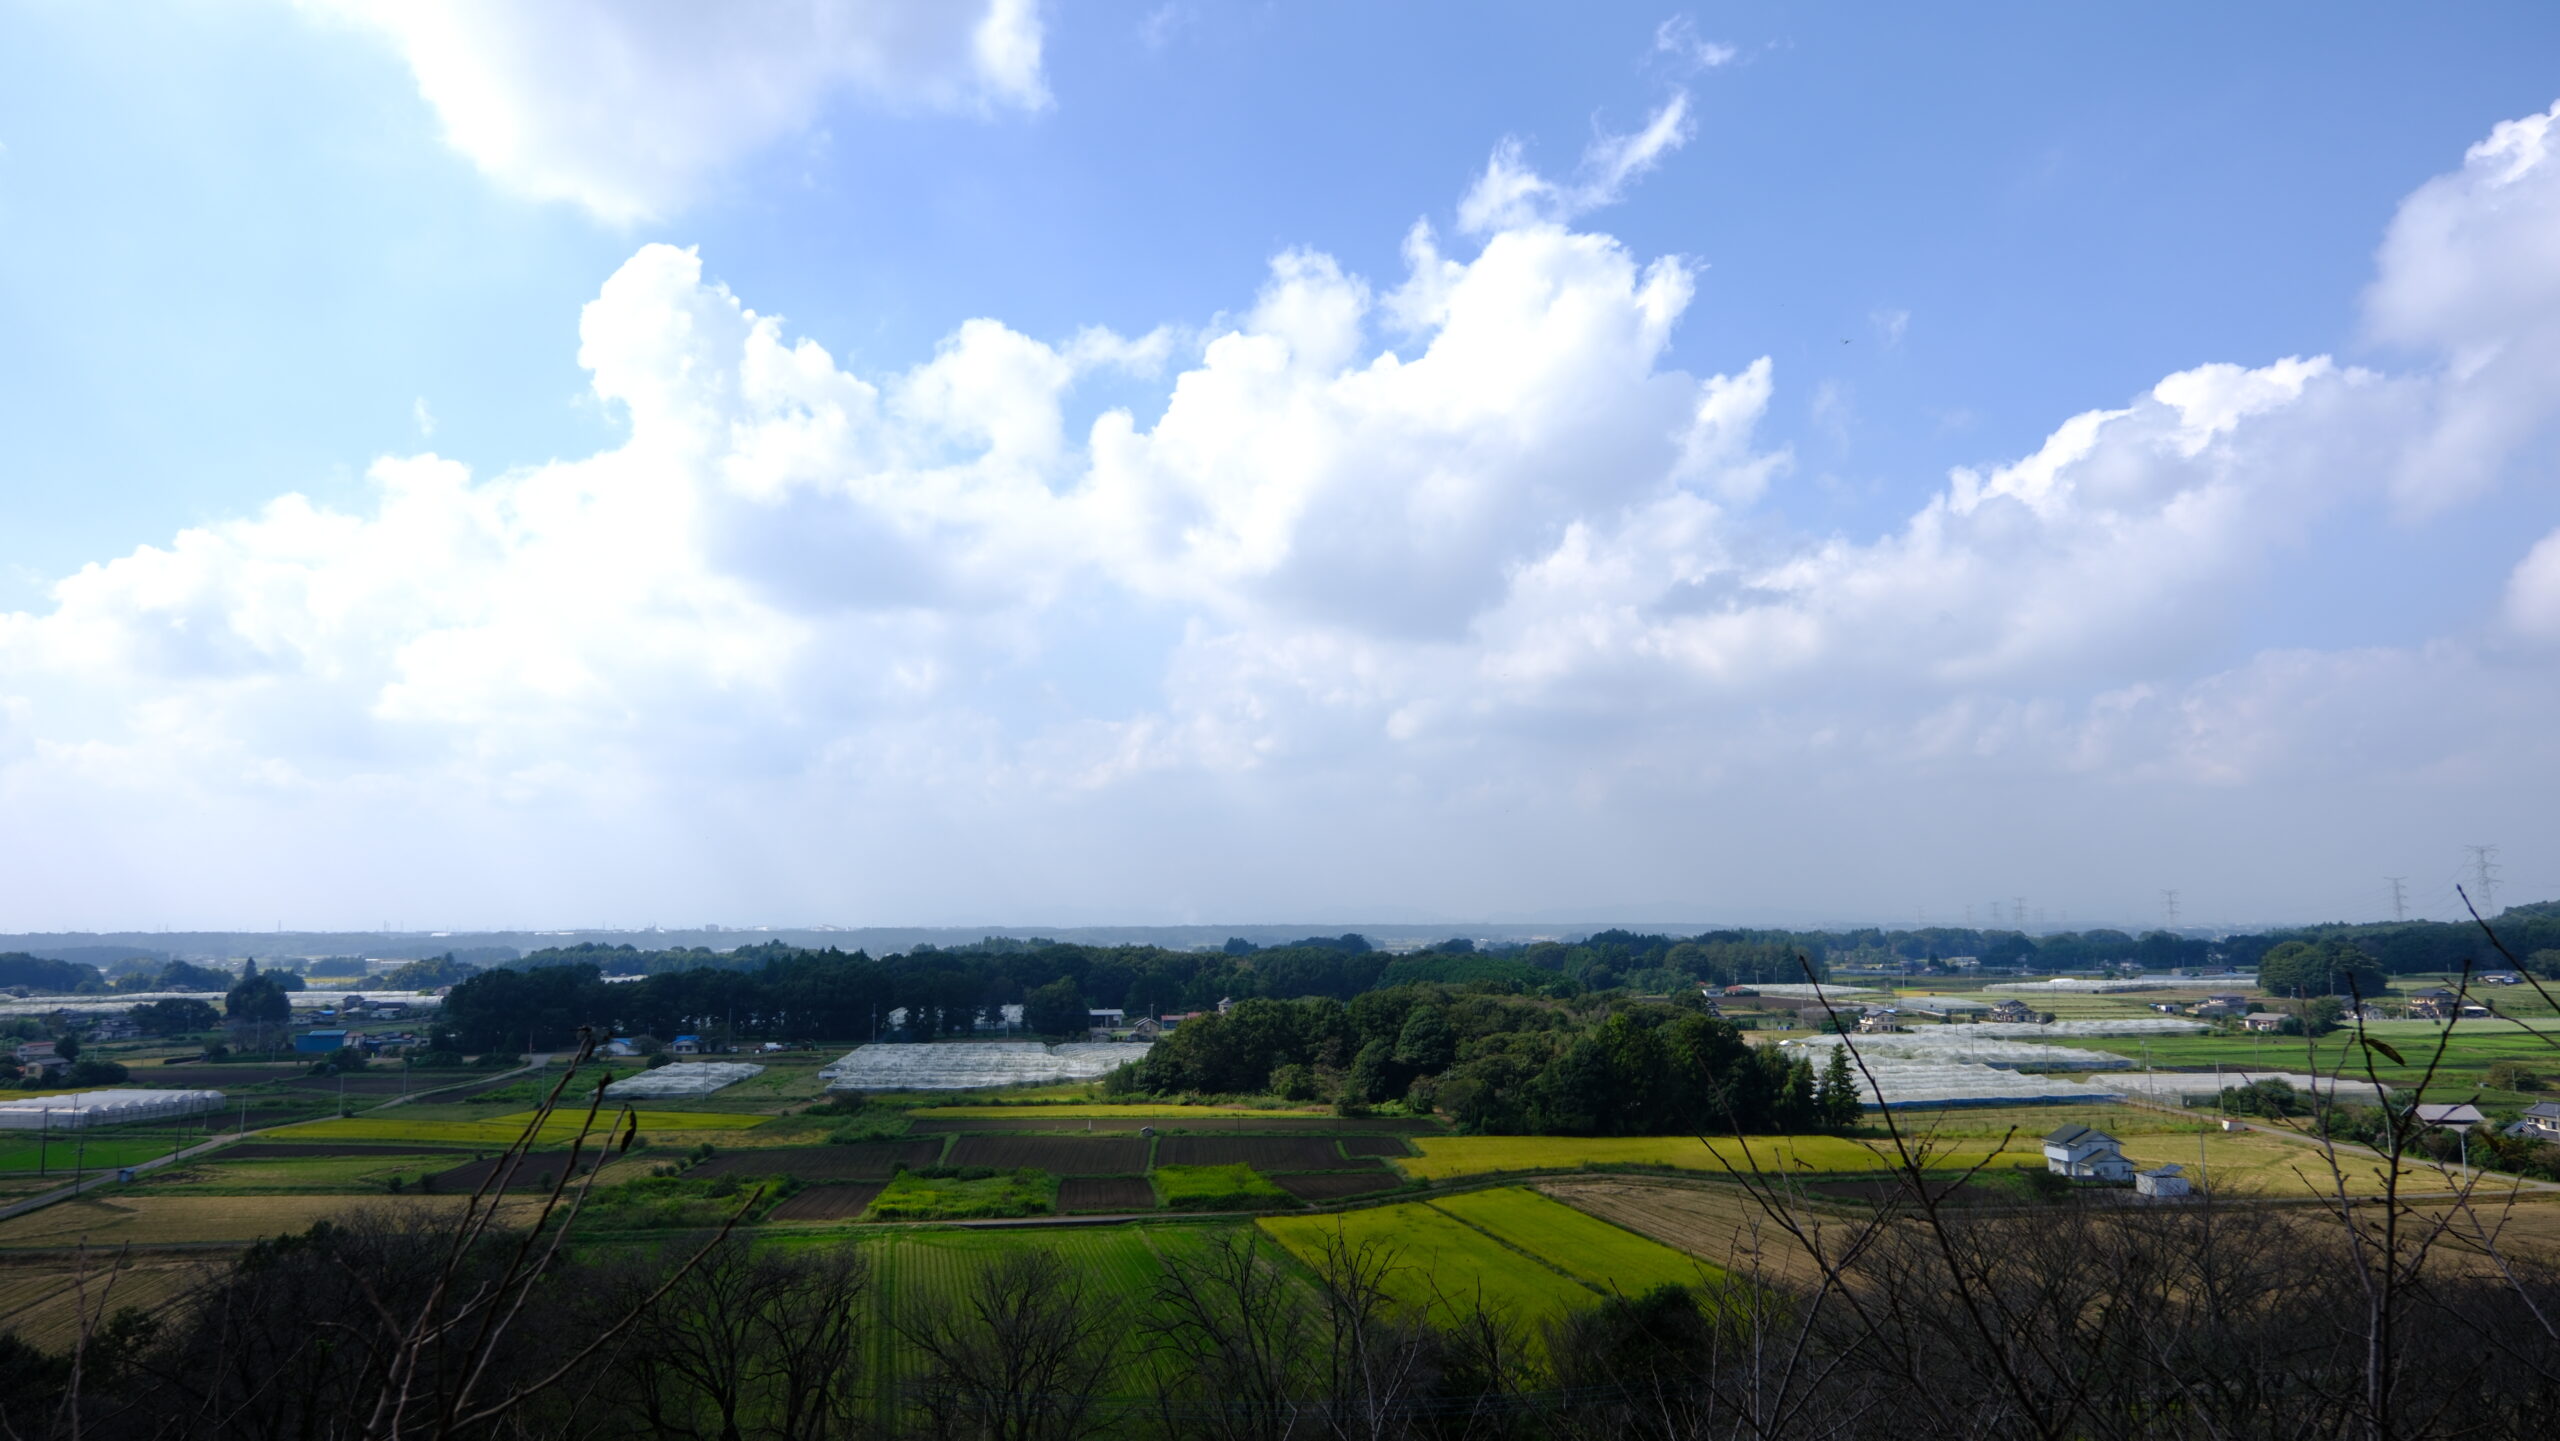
[1611, 1257]
[565, 1121]
[1137, 1112]
[503, 1130]
[1446, 1156]
[118, 1219]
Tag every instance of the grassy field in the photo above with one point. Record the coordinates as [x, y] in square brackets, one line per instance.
[931, 1271]
[917, 1196]
[1438, 1261]
[1447, 1156]
[102, 1149]
[2253, 1163]
[1216, 1188]
[1610, 1257]
[2471, 1048]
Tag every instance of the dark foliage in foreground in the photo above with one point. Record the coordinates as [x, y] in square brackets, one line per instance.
[2076, 1321]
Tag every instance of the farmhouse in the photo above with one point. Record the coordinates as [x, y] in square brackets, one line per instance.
[2265, 1021]
[2085, 1153]
[2541, 1121]
[41, 1058]
[2457, 1115]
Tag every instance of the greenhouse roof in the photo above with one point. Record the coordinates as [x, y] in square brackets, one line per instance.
[683, 1078]
[970, 1065]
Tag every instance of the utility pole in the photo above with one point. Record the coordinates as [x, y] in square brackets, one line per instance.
[2484, 872]
[2399, 897]
[2169, 908]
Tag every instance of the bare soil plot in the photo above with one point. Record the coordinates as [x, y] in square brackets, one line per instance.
[866, 1161]
[362, 1083]
[1375, 1146]
[827, 1203]
[1062, 1155]
[1263, 1153]
[537, 1172]
[1105, 1193]
[1334, 1185]
[215, 1078]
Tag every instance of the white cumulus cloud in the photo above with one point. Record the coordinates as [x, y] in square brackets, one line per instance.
[820, 638]
[629, 107]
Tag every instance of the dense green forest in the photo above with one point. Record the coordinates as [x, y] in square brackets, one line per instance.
[1503, 1064]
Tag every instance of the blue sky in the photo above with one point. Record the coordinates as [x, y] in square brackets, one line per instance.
[1314, 645]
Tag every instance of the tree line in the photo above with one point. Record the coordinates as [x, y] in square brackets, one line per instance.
[1504, 1064]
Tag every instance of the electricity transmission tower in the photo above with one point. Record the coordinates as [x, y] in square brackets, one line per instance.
[2399, 897]
[2484, 875]
[2169, 908]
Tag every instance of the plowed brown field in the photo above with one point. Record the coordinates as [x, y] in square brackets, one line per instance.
[1064, 1155]
[1105, 1193]
[1263, 1153]
[827, 1203]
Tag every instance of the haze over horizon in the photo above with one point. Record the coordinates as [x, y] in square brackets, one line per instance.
[1180, 464]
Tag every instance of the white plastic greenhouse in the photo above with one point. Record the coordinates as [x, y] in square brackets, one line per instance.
[969, 1065]
[1942, 1005]
[684, 1078]
[2095, 985]
[1960, 1044]
[103, 1108]
[2173, 1086]
[1911, 1082]
[1812, 991]
[2128, 1026]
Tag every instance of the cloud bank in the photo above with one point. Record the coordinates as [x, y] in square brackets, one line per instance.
[1450, 595]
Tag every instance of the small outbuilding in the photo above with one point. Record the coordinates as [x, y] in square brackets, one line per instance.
[2460, 1115]
[2162, 1181]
